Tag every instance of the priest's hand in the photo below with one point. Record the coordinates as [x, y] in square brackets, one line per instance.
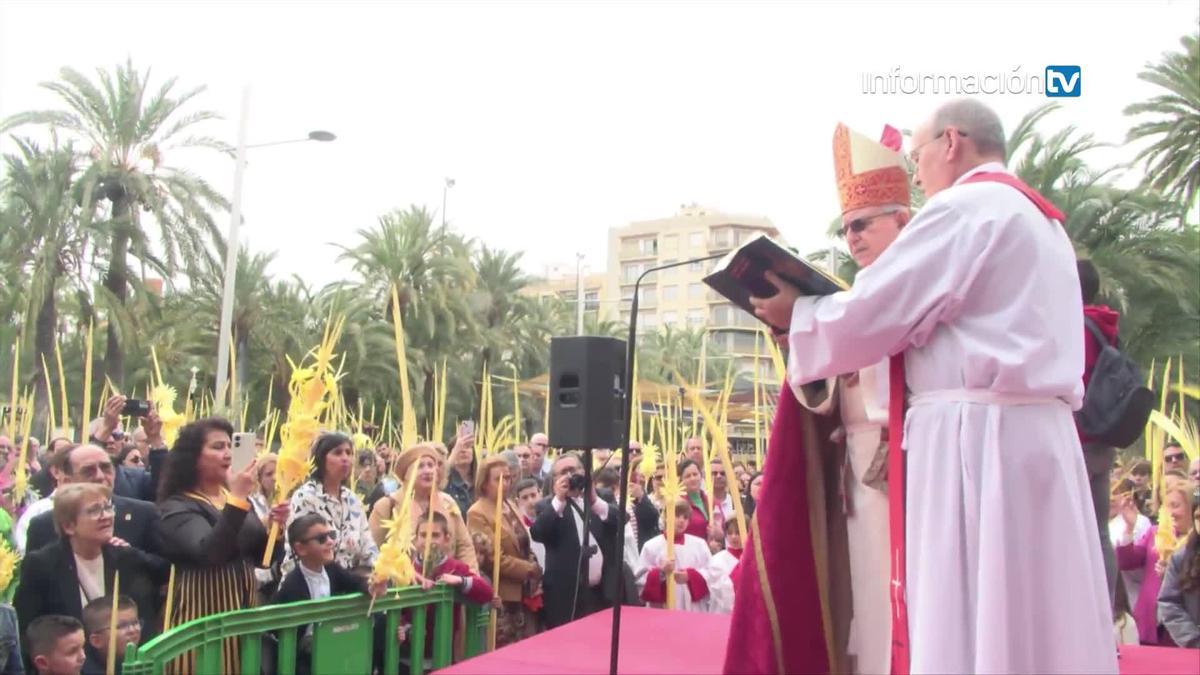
[667, 568]
[681, 577]
[777, 309]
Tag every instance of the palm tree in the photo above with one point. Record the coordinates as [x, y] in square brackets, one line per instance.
[1145, 256]
[131, 127]
[40, 184]
[435, 281]
[251, 292]
[1173, 159]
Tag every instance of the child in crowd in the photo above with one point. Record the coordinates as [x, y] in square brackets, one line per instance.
[442, 569]
[316, 574]
[723, 567]
[688, 571]
[56, 644]
[97, 621]
[528, 494]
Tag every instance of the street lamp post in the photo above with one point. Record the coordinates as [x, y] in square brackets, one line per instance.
[579, 294]
[445, 188]
[231, 252]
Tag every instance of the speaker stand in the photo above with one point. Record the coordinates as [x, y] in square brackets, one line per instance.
[623, 485]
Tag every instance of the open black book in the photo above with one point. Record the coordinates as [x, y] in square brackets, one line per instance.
[741, 274]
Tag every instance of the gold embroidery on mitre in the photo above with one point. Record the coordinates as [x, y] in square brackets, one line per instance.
[867, 173]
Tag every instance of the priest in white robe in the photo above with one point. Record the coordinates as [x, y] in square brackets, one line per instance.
[981, 296]
[874, 193]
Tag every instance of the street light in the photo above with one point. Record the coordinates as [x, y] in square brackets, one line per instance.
[231, 252]
[445, 188]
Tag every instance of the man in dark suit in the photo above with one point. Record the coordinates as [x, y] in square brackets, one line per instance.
[576, 582]
[135, 521]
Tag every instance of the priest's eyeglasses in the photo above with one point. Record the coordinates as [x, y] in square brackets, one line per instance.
[914, 155]
[859, 225]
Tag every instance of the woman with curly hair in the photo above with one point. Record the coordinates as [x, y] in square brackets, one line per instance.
[1179, 599]
[1143, 553]
[209, 530]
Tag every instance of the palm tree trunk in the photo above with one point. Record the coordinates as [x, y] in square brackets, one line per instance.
[117, 283]
[430, 402]
[243, 362]
[43, 340]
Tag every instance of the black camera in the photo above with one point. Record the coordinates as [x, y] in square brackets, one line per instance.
[136, 408]
[577, 482]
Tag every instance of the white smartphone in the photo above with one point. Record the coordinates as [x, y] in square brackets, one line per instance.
[244, 449]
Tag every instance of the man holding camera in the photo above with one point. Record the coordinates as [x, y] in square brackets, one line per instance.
[576, 582]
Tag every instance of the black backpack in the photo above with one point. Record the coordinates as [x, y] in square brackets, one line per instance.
[1117, 403]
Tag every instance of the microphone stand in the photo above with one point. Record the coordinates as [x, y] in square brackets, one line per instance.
[619, 549]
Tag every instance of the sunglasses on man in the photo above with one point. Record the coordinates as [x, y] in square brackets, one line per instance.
[860, 225]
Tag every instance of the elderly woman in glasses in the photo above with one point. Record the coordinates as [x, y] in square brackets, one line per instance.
[63, 577]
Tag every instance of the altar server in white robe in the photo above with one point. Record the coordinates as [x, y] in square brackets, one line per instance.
[688, 570]
[721, 570]
[874, 194]
[981, 294]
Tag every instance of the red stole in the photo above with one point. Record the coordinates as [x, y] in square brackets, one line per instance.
[896, 399]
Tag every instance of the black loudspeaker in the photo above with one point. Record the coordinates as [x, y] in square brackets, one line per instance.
[587, 377]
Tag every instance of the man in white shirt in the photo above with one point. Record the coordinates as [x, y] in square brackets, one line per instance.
[539, 445]
[576, 581]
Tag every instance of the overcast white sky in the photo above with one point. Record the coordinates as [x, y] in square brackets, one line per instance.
[560, 120]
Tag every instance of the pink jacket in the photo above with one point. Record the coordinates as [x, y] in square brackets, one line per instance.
[1142, 555]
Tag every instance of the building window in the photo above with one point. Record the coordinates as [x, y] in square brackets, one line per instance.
[670, 244]
[639, 247]
[631, 271]
[649, 296]
[696, 267]
[669, 318]
[696, 239]
[649, 321]
[670, 293]
[695, 318]
[722, 238]
[695, 291]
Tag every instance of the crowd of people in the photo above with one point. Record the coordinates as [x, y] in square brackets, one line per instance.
[987, 475]
[125, 506]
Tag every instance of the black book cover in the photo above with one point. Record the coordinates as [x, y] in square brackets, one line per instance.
[741, 274]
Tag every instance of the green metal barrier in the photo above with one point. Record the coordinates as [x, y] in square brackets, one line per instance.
[343, 635]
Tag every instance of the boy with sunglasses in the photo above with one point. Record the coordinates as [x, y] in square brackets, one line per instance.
[316, 575]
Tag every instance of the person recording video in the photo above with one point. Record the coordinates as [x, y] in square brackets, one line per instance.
[576, 582]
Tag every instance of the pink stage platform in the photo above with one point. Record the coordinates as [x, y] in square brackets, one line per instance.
[658, 641]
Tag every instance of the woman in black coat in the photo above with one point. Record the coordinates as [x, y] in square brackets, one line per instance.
[62, 577]
[210, 531]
